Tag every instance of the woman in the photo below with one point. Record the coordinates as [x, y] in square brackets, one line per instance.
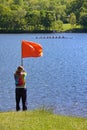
[20, 91]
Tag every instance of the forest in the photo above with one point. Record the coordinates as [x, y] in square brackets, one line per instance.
[42, 15]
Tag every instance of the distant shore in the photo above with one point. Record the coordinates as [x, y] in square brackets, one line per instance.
[43, 31]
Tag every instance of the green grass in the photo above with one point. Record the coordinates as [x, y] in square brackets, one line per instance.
[66, 27]
[40, 120]
[70, 27]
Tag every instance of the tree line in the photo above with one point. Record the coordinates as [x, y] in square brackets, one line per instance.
[31, 15]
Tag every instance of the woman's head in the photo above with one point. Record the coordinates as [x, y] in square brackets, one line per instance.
[20, 68]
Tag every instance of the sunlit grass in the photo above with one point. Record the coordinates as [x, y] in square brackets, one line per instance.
[40, 120]
[67, 27]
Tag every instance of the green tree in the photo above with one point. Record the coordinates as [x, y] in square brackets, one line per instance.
[83, 15]
[2, 1]
[5, 18]
[43, 5]
[57, 25]
[48, 19]
[19, 2]
[83, 19]
[72, 19]
[33, 19]
[75, 7]
[19, 19]
[41, 14]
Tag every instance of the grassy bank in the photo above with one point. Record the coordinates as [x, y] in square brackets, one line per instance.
[40, 120]
[76, 28]
[65, 28]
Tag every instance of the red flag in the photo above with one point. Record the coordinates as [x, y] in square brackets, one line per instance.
[31, 49]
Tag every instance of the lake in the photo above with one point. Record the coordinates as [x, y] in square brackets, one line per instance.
[56, 81]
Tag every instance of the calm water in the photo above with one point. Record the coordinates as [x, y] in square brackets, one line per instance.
[56, 81]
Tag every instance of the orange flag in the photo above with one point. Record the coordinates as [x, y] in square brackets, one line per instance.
[31, 49]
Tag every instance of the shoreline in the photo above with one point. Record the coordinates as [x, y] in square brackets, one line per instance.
[42, 31]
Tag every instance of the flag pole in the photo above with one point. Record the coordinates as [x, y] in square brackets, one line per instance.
[21, 61]
[21, 55]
